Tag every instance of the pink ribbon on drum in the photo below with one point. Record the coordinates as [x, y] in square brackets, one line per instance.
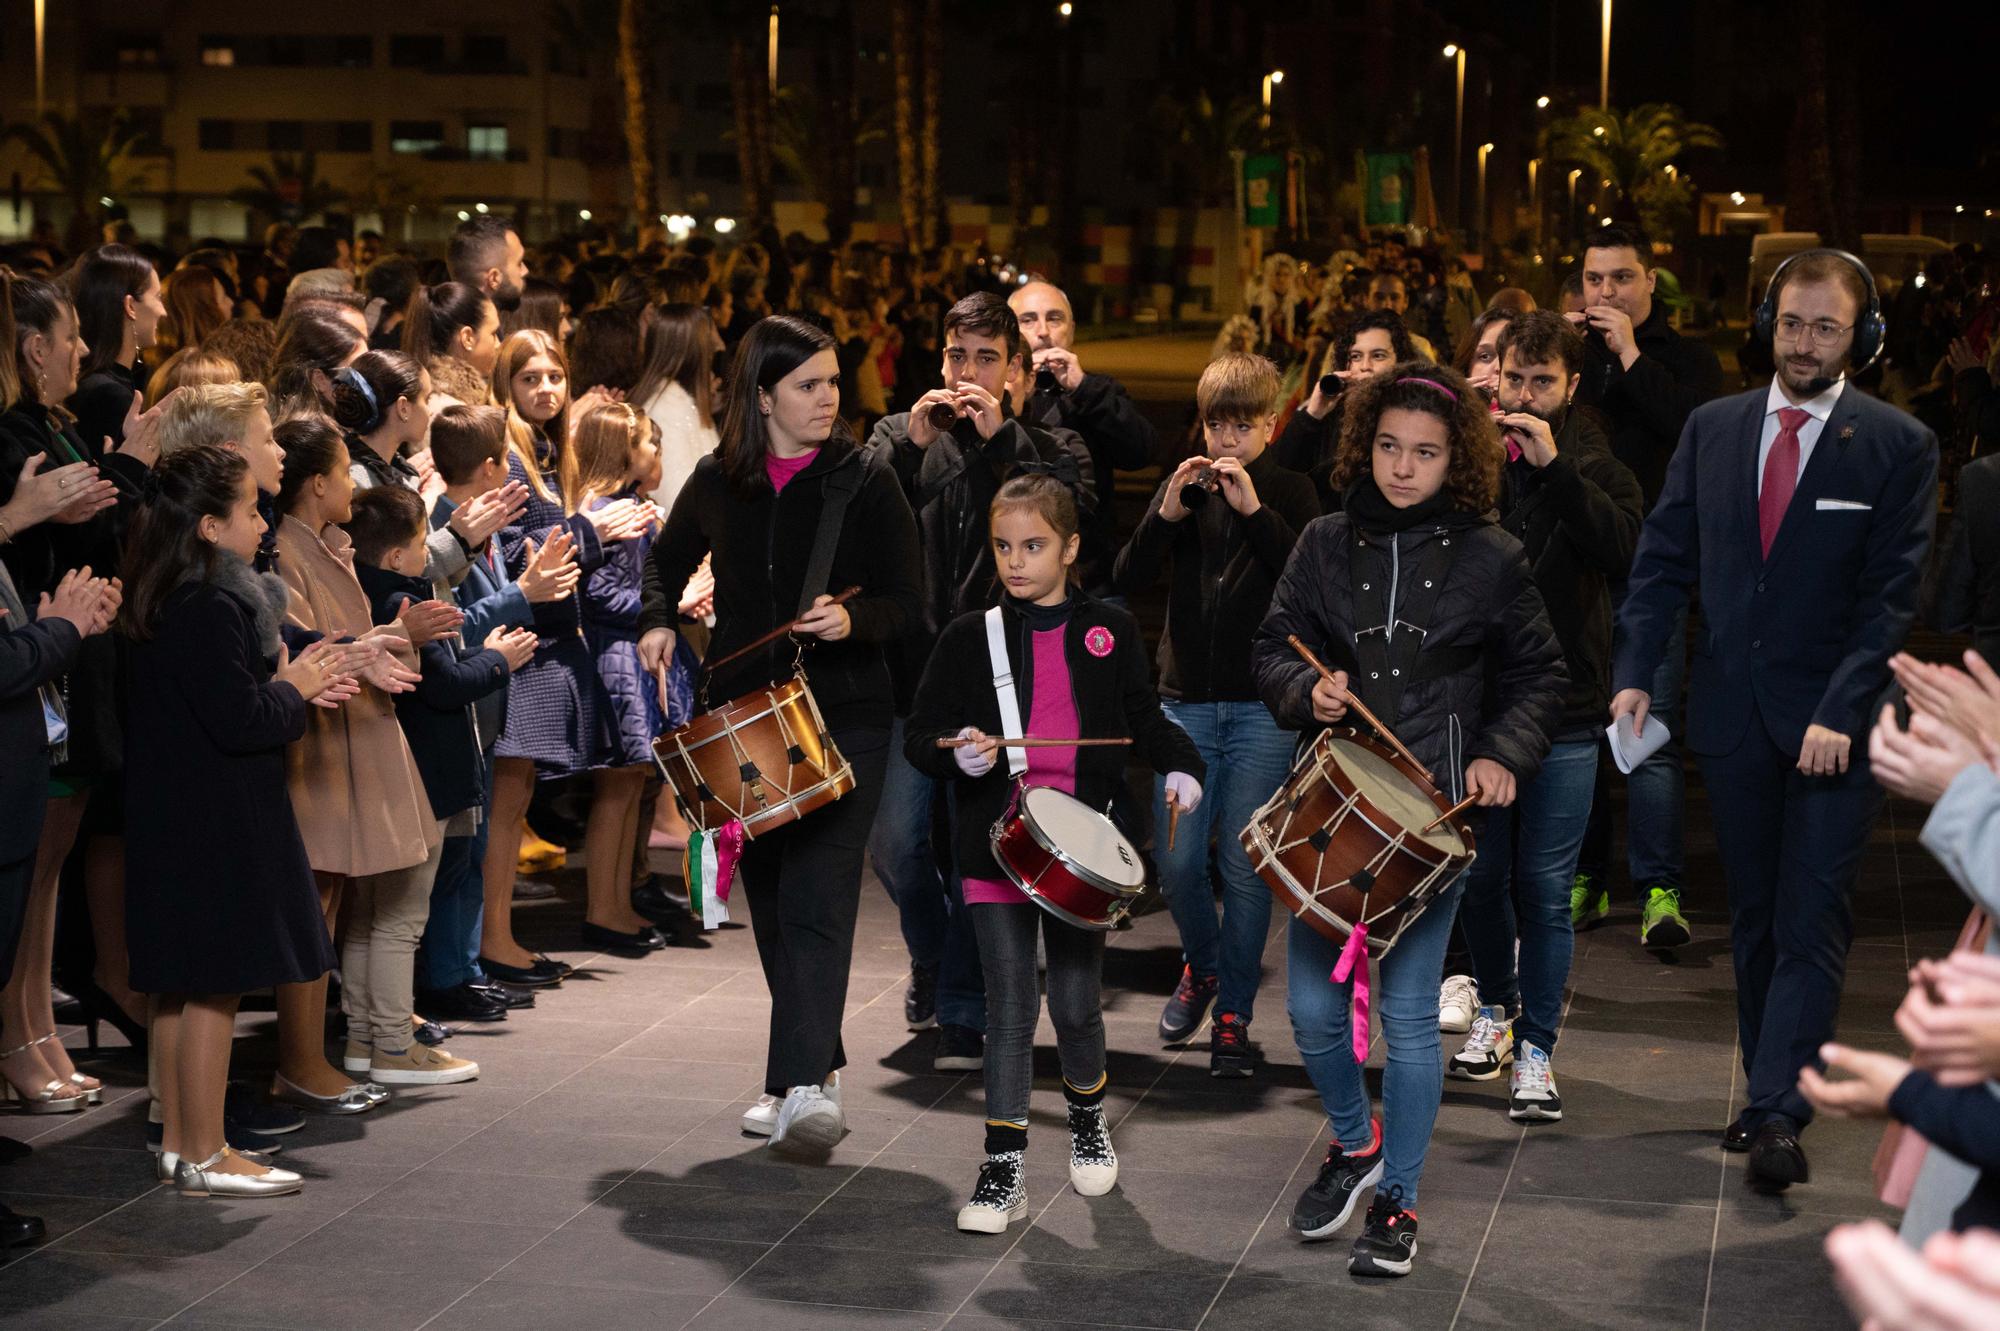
[728, 849]
[1354, 961]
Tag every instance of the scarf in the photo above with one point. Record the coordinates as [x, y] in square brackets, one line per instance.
[263, 594]
[1372, 511]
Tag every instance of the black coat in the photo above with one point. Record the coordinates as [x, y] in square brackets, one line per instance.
[219, 896]
[31, 655]
[761, 546]
[1578, 519]
[1099, 411]
[1648, 405]
[1306, 444]
[1114, 697]
[1225, 567]
[437, 716]
[1489, 620]
[1962, 593]
[100, 402]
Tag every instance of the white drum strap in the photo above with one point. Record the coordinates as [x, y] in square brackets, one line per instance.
[1003, 688]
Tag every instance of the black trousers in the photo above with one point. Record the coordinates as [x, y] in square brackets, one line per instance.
[14, 879]
[1790, 846]
[803, 884]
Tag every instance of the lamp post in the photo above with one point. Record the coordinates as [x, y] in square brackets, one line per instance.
[1271, 80]
[1480, 196]
[1535, 195]
[1569, 219]
[41, 56]
[1604, 63]
[1455, 51]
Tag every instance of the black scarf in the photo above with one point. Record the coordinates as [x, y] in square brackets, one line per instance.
[1042, 618]
[1372, 511]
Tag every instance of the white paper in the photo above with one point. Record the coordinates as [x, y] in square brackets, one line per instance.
[1629, 751]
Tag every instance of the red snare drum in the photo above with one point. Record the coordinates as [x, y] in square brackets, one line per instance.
[1068, 858]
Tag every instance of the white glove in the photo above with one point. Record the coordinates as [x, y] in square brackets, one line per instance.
[969, 759]
[1185, 790]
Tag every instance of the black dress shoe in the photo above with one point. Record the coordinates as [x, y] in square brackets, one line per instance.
[659, 905]
[1738, 1135]
[1776, 1158]
[16, 1229]
[540, 975]
[461, 1002]
[506, 995]
[637, 943]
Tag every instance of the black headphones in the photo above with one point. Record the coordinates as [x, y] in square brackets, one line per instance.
[1870, 330]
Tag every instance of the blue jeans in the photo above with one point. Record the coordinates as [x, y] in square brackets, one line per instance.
[448, 954]
[899, 846]
[1248, 757]
[1404, 992]
[1535, 843]
[1655, 792]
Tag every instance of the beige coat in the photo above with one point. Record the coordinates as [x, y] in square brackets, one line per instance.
[360, 801]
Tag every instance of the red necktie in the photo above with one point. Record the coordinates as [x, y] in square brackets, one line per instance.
[1781, 475]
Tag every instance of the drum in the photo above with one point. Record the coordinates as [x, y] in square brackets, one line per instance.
[1342, 844]
[763, 759]
[1068, 858]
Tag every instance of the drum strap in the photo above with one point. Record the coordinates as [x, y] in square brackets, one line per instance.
[1389, 657]
[1003, 688]
[842, 484]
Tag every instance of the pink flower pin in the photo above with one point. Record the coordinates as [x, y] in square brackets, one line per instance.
[1099, 642]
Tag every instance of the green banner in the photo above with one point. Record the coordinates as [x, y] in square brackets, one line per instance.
[1391, 183]
[1263, 190]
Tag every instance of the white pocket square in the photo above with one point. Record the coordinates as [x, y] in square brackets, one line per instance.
[1841, 506]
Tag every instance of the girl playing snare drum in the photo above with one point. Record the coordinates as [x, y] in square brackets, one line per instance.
[1080, 670]
[1428, 612]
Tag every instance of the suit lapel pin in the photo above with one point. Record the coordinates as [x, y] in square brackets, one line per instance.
[1847, 432]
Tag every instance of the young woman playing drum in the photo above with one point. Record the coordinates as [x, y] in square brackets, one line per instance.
[1430, 616]
[789, 483]
[1077, 669]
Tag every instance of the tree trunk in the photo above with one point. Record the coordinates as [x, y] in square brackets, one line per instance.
[933, 190]
[836, 70]
[1809, 163]
[909, 187]
[751, 94]
[635, 75]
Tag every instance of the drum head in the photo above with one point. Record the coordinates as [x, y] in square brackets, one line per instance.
[1394, 794]
[1067, 825]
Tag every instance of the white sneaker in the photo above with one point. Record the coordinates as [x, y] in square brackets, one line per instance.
[761, 1119]
[1093, 1165]
[1532, 1097]
[1457, 1001]
[809, 1123]
[1488, 1049]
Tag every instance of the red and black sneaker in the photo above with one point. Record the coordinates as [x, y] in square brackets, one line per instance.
[1329, 1200]
[1388, 1242]
[1230, 1053]
[1183, 1014]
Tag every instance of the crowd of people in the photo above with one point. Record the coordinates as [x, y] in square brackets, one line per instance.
[338, 556]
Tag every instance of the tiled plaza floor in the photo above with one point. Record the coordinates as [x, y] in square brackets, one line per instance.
[595, 1177]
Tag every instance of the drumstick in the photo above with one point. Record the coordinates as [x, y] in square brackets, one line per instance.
[1450, 813]
[1173, 819]
[1357, 705]
[1030, 742]
[712, 666]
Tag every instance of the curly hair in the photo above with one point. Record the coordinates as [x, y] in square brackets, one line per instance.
[1472, 477]
[1388, 321]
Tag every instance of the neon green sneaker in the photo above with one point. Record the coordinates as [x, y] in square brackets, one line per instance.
[1662, 925]
[1588, 903]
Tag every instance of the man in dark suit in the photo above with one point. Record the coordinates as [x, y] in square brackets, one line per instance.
[1804, 513]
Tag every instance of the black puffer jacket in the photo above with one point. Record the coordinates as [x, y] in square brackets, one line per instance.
[1489, 619]
[1578, 519]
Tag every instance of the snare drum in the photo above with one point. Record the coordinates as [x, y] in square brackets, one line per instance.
[763, 759]
[1068, 858]
[1341, 843]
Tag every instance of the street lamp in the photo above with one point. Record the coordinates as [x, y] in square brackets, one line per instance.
[1542, 103]
[1453, 51]
[1271, 80]
[1484, 149]
[1604, 63]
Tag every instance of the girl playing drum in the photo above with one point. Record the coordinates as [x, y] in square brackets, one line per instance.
[1079, 670]
[1428, 612]
[787, 508]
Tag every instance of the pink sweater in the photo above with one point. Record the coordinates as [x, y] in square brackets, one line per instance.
[1052, 715]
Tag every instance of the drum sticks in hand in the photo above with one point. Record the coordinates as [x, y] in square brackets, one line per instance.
[1360, 708]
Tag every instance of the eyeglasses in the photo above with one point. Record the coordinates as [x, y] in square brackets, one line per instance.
[1824, 333]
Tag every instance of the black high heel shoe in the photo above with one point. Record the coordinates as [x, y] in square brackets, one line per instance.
[99, 1006]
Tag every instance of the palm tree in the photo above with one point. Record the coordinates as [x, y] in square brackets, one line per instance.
[933, 109]
[290, 188]
[635, 75]
[806, 145]
[590, 27]
[909, 183]
[1632, 150]
[750, 94]
[84, 158]
[1196, 136]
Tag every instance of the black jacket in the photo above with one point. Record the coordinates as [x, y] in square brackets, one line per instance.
[1114, 697]
[1225, 567]
[1962, 591]
[761, 546]
[1119, 439]
[1964, 1121]
[1488, 621]
[437, 716]
[1648, 405]
[1578, 519]
[1306, 445]
[31, 654]
[100, 402]
[949, 486]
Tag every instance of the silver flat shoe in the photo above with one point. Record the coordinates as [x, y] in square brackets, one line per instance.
[351, 1100]
[204, 1180]
[376, 1092]
[167, 1161]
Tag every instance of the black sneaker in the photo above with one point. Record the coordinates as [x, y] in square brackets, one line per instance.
[1324, 1206]
[1183, 1013]
[920, 998]
[244, 1108]
[959, 1049]
[1230, 1053]
[1388, 1242]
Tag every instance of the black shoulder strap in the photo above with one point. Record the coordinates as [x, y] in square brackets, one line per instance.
[842, 484]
